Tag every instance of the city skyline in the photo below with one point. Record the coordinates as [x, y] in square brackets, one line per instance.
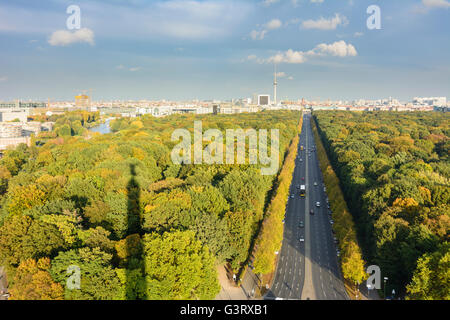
[184, 50]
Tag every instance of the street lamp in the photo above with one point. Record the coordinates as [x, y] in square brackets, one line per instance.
[385, 280]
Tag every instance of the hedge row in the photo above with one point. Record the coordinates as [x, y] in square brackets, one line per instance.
[271, 235]
[352, 264]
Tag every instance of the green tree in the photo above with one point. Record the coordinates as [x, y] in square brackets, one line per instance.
[431, 280]
[179, 267]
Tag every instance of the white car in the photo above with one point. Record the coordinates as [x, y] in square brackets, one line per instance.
[315, 183]
[302, 240]
[318, 204]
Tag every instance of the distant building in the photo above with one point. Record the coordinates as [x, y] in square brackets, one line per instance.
[19, 104]
[434, 101]
[19, 115]
[6, 143]
[82, 101]
[10, 130]
[263, 100]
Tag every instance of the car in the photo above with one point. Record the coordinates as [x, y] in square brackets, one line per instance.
[301, 160]
[338, 253]
[301, 240]
[292, 196]
[318, 204]
[328, 206]
[331, 222]
[315, 184]
[303, 179]
[301, 225]
[284, 221]
[311, 212]
[298, 186]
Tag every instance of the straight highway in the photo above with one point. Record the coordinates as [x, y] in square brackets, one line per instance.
[307, 267]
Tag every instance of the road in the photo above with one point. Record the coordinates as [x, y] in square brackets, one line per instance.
[307, 270]
[3, 284]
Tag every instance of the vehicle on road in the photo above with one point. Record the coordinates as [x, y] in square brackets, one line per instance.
[301, 240]
[301, 224]
[311, 212]
[292, 196]
[298, 186]
[302, 190]
[315, 184]
[318, 204]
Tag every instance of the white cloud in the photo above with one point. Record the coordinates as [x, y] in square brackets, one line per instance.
[158, 19]
[131, 69]
[436, 3]
[337, 49]
[326, 24]
[65, 37]
[258, 35]
[290, 56]
[269, 2]
[273, 24]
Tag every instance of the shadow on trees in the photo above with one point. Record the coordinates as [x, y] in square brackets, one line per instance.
[135, 271]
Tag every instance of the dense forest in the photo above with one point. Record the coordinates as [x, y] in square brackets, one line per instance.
[394, 170]
[115, 206]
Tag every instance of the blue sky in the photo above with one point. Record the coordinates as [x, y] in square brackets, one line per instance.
[205, 49]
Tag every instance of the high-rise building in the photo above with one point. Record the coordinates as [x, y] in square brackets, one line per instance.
[82, 101]
[263, 100]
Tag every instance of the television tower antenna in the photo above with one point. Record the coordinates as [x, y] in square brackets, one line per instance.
[275, 84]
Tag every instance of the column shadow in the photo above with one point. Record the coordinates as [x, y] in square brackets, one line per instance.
[136, 287]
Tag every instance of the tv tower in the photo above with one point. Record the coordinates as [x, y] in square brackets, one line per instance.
[275, 84]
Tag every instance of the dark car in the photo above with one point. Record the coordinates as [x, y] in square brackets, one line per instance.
[311, 212]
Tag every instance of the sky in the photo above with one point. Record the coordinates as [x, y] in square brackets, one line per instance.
[223, 49]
